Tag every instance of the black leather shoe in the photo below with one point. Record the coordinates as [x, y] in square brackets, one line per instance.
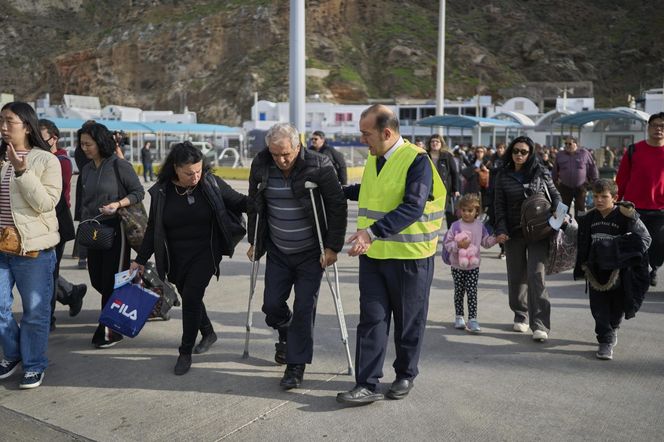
[400, 389]
[292, 376]
[653, 278]
[206, 343]
[182, 365]
[76, 299]
[359, 396]
[280, 352]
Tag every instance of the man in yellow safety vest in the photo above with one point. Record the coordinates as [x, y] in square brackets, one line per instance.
[401, 203]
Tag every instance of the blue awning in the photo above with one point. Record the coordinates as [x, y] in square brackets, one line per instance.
[465, 121]
[148, 127]
[585, 117]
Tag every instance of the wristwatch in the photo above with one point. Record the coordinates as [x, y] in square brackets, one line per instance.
[371, 234]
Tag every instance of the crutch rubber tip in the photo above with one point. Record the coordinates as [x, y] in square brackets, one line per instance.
[350, 372]
[245, 355]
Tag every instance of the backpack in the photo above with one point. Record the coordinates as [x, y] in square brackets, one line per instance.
[535, 214]
[630, 151]
[446, 254]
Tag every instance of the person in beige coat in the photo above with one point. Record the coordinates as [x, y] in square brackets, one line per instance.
[30, 186]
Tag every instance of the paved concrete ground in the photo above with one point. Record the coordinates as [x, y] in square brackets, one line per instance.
[498, 385]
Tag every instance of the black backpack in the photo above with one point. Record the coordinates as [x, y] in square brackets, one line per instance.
[535, 214]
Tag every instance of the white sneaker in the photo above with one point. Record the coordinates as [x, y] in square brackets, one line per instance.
[473, 326]
[520, 327]
[459, 323]
[540, 335]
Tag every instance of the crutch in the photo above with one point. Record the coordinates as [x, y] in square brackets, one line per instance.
[255, 263]
[335, 292]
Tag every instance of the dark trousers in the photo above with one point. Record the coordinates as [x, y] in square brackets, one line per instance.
[398, 288]
[191, 287]
[578, 194]
[528, 297]
[147, 170]
[59, 250]
[654, 222]
[104, 264]
[302, 272]
[608, 311]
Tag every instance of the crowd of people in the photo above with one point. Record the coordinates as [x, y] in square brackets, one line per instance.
[195, 218]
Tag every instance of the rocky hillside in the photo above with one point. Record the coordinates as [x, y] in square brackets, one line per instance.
[213, 54]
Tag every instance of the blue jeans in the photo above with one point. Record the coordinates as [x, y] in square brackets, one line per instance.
[34, 280]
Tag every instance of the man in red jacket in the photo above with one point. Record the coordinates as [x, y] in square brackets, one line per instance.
[641, 180]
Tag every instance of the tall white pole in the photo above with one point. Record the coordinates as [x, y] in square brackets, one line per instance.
[440, 78]
[296, 76]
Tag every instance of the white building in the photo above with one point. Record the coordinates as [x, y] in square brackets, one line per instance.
[654, 101]
[341, 121]
[89, 108]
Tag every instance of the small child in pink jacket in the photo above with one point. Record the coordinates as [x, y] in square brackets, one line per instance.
[462, 242]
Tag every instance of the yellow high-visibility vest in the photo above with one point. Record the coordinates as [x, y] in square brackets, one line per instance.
[380, 194]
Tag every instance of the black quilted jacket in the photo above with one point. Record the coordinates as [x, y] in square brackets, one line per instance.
[510, 194]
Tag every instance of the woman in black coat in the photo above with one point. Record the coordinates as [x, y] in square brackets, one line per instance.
[521, 176]
[448, 171]
[195, 218]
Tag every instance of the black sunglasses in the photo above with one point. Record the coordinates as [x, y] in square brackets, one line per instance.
[523, 152]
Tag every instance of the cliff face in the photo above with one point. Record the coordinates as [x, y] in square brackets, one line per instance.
[212, 55]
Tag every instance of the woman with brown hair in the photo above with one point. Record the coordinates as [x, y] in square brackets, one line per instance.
[448, 171]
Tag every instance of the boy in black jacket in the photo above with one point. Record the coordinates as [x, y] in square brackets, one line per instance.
[612, 256]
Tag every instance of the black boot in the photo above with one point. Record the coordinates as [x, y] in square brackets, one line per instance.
[183, 365]
[281, 346]
[206, 343]
[292, 376]
[76, 299]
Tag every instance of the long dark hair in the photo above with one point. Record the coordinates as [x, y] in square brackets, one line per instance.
[101, 135]
[532, 163]
[28, 116]
[181, 154]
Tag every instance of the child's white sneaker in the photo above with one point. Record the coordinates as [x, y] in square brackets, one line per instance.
[459, 323]
[473, 326]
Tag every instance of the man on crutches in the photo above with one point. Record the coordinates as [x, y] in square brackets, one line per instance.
[287, 232]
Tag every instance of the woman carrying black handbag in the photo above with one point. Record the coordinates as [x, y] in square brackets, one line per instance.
[101, 199]
[195, 218]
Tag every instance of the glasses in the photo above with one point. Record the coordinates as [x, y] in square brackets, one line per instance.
[4, 121]
[657, 126]
[569, 144]
[523, 152]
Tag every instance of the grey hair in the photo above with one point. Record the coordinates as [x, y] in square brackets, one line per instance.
[282, 131]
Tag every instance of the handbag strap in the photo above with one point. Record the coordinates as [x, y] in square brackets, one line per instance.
[119, 181]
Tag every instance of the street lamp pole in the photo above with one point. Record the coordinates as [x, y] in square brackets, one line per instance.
[440, 78]
[296, 74]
